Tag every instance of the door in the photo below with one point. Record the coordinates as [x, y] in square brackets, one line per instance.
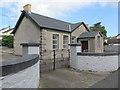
[84, 46]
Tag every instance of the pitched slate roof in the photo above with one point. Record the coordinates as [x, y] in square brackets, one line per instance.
[90, 34]
[47, 22]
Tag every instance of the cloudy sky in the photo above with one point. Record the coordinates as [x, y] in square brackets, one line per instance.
[88, 11]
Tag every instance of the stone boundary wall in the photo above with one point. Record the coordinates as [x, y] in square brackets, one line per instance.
[112, 48]
[20, 73]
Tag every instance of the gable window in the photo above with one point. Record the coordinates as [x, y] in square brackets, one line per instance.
[65, 41]
[55, 41]
[98, 41]
[73, 40]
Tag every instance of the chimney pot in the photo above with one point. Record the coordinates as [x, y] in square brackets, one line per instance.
[87, 25]
[27, 7]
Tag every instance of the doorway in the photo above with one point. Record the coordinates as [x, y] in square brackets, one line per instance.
[84, 46]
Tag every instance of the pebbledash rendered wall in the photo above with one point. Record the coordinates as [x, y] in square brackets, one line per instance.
[93, 61]
[20, 73]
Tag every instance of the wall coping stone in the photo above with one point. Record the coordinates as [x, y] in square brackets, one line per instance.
[96, 54]
[75, 44]
[14, 66]
[30, 44]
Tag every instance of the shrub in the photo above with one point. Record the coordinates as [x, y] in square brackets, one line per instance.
[0, 42]
[7, 41]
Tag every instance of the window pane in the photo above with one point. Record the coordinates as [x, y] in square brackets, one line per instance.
[55, 36]
[65, 41]
[54, 46]
[98, 41]
[64, 46]
[55, 41]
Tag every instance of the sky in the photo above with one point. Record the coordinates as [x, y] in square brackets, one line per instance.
[87, 11]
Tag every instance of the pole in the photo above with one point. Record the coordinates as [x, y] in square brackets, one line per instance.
[54, 60]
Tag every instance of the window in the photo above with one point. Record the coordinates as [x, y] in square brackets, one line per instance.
[55, 41]
[98, 41]
[65, 41]
[73, 39]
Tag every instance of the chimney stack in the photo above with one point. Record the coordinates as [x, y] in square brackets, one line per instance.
[87, 25]
[27, 7]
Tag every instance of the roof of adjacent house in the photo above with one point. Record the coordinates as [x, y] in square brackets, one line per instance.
[5, 28]
[113, 41]
[90, 34]
[11, 29]
[47, 22]
[117, 35]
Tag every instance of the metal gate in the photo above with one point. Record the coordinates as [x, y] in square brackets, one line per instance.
[53, 59]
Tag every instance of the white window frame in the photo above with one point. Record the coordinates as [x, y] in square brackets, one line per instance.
[55, 40]
[65, 42]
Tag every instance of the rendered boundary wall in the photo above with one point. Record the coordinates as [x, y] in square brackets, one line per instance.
[93, 61]
[20, 73]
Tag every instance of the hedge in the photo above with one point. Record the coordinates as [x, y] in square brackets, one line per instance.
[7, 41]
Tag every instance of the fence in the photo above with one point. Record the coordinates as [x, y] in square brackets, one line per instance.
[53, 59]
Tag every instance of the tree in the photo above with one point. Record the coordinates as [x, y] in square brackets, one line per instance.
[99, 27]
[7, 41]
[0, 42]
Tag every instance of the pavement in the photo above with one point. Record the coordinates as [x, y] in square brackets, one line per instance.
[7, 54]
[70, 78]
[7, 50]
[109, 82]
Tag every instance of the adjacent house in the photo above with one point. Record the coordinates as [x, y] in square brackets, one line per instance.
[6, 31]
[118, 36]
[53, 33]
[113, 41]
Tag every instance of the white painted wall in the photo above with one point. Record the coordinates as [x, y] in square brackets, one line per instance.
[33, 50]
[26, 50]
[97, 63]
[73, 55]
[27, 78]
[94, 63]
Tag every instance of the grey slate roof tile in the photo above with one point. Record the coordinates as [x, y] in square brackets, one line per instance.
[47, 22]
[88, 34]
[44, 21]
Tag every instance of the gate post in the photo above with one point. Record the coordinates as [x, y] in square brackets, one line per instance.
[74, 49]
[54, 60]
[30, 48]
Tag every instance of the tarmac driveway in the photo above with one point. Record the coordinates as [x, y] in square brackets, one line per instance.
[69, 78]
